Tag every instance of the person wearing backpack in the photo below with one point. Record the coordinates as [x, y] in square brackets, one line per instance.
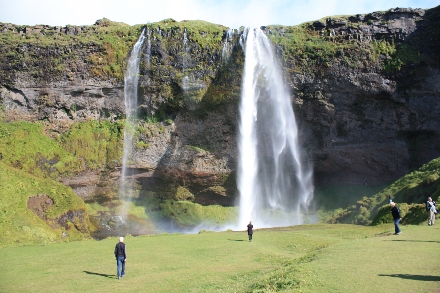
[395, 212]
[432, 211]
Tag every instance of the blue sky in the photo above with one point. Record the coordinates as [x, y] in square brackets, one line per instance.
[231, 13]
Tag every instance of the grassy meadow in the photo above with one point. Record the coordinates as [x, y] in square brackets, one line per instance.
[305, 258]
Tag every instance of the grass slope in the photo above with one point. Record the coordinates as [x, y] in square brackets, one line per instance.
[18, 224]
[410, 193]
[309, 258]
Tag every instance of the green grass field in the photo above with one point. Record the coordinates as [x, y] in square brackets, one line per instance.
[306, 258]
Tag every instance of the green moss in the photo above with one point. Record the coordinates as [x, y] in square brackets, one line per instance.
[383, 47]
[306, 47]
[89, 145]
[19, 225]
[206, 35]
[183, 194]
[403, 56]
[25, 146]
[397, 56]
[140, 145]
[112, 42]
[198, 149]
[191, 214]
[95, 144]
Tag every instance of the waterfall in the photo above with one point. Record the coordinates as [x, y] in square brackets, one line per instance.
[148, 53]
[185, 80]
[275, 187]
[228, 45]
[131, 79]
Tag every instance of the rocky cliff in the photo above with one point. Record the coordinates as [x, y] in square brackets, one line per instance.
[365, 91]
[370, 111]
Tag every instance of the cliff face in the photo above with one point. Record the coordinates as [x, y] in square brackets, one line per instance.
[368, 114]
[365, 91]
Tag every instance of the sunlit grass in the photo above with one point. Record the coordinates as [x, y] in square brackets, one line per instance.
[309, 258]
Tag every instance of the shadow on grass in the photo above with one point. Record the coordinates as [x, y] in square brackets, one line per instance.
[432, 241]
[413, 277]
[236, 240]
[98, 274]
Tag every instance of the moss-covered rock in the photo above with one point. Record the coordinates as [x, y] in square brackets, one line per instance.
[86, 146]
[62, 214]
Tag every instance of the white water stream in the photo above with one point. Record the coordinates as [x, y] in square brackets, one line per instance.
[228, 45]
[131, 79]
[275, 186]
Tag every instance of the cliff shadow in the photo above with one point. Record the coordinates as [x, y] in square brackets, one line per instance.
[198, 163]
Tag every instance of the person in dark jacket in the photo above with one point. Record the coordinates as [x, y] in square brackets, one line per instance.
[250, 230]
[395, 212]
[121, 257]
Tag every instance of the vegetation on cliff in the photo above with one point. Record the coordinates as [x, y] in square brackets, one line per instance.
[53, 53]
[21, 223]
[182, 62]
[190, 214]
[87, 145]
[409, 192]
[360, 42]
[207, 35]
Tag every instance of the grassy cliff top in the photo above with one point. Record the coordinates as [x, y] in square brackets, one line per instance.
[105, 44]
[107, 31]
[204, 33]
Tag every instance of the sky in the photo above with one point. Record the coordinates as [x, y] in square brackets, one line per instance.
[230, 13]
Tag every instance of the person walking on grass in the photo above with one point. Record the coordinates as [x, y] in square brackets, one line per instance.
[395, 212]
[432, 211]
[250, 230]
[121, 257]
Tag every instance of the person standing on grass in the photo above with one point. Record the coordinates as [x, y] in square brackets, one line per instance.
[432, 211]
[395, 212]
[121, 257]
[250, 228]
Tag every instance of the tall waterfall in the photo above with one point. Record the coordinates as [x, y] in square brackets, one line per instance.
[275, 187]
[131, 79]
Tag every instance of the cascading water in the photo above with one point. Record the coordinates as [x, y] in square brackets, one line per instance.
[228, 45]
[148, 53]
[131, 79]
[185, 80]
[275, 187]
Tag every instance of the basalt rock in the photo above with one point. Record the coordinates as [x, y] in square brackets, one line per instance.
[367, 111]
